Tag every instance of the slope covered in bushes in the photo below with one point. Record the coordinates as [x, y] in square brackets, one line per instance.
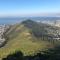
[25, 37]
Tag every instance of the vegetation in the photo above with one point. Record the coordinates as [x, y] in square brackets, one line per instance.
[28, 37]
[51, 54]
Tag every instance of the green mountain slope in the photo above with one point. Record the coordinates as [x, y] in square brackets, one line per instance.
[20, 37]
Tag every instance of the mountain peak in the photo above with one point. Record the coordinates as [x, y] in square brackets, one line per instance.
[29, 23]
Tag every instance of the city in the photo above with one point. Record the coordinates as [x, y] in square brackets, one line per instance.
[3, 29]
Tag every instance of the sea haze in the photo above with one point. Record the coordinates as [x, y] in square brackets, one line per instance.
[10, 20]
[13, 20]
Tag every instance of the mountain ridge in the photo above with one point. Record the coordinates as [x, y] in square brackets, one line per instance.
[25, 36]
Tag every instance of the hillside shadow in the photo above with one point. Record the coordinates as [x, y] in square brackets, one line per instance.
[16, 56]
[37, 29]
[52, 54]
[19, 56]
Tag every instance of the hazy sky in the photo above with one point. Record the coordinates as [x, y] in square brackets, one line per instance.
[29, 7]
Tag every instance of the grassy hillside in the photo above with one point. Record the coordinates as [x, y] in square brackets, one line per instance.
[20, 38]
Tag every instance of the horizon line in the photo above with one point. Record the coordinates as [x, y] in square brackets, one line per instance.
[31, 15]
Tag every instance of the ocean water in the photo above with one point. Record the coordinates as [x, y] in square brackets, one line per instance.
[13, 20]
[10, 20]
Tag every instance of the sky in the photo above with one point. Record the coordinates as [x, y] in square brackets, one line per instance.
[29, 8]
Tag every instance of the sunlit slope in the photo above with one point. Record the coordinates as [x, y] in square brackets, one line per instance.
[20, 38]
